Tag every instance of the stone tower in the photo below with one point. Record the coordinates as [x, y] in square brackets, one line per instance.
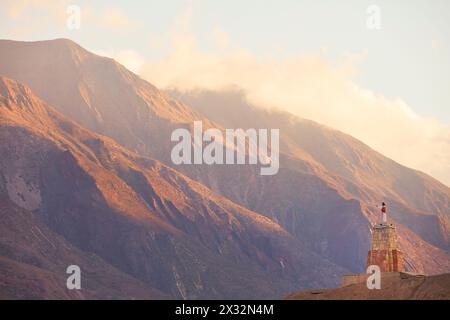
[384, 252]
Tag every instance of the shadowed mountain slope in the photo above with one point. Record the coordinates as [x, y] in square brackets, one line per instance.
[34, 259]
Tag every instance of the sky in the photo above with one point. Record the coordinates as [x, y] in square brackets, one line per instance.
[378, 70]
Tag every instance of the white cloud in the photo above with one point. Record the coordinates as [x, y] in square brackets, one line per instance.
[114, 19]
[31, 17]
[28, 17]
[221, 39]
[306, 85]
[311, 87]
[17, 8]
[131, 59]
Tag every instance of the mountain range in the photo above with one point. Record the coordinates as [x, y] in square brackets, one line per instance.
[86, 178]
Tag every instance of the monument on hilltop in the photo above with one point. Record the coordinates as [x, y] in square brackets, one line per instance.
[383, 252]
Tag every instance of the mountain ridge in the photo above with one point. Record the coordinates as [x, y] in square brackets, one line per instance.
[327, 209]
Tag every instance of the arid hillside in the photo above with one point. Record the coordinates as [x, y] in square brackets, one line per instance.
[142, 218]
[85, 146]
[405, 287]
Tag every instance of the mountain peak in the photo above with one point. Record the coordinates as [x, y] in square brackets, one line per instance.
[95, 91]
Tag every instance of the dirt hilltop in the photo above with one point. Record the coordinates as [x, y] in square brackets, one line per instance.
[405, 287]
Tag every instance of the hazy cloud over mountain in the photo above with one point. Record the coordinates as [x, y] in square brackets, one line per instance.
[306, 79]
[313, 88]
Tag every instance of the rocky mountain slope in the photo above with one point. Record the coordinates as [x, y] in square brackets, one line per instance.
[34, 259]
[142, 218]
[417, 202]
[324, 194]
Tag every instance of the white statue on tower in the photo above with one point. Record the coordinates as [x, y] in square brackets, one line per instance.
[384, 213]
